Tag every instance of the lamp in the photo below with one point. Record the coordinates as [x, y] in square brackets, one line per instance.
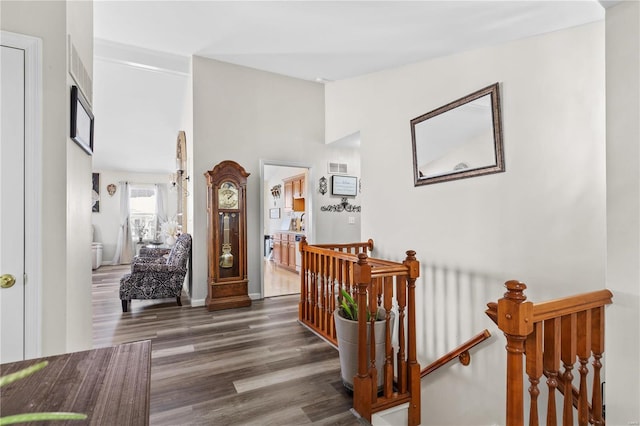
[176, 181]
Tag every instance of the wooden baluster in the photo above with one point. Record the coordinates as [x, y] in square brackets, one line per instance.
[413, 267]
[597, 348]
[388, 348]
[349, 277]
[319, 294]
[568, 355]
[551, 360]
[332, 297]
[515, 320]
[314, 290]
[319, 302]
[533, 351]
[584, 352]
[328, 310]
[362, 382]
[302, 306]
[401, 295]
[323, 293]
[373, 308]
[309, 286]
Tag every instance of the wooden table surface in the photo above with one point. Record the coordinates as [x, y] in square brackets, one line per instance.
[109, 385]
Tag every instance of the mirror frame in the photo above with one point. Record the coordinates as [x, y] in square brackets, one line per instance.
[498, 167]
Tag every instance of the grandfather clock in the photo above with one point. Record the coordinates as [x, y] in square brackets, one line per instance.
[227, 239]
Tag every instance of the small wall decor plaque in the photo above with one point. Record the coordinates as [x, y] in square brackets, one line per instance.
[322, 185]
[111, 189]
[344, 185]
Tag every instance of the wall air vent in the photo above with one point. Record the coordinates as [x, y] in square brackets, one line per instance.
[79, 72]
[337, 168]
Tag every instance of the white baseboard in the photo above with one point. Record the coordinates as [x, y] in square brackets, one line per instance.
[255, 296]
[197, 302]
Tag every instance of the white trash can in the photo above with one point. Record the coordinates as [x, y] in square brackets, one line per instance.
[96, 251]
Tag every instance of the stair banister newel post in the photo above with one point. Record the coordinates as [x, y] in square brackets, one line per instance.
[362, 384]
[515, 319]
[413, 267]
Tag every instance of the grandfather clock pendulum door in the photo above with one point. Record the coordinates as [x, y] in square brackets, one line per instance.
[227, 239]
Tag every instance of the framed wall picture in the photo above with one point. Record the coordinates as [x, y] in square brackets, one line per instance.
[81, 121]
[346, 186]
[274, 213]
[95, 192]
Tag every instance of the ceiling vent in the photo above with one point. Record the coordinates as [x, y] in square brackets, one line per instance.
[337, 168]
[79, 72]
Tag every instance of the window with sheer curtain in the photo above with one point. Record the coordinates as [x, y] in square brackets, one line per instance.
[143, 214]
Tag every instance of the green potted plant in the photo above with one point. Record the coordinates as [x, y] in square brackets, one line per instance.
[346, 321]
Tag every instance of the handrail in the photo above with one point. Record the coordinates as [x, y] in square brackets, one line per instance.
[328, 269]
[337, 246]
[550, 336]
[461, 352]
[571, 304]
[560, 307]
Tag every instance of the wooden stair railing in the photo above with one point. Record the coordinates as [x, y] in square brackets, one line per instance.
[548, 334]
[326, 269]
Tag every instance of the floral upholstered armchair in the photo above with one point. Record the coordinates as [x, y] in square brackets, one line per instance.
[152, 252]
[157, 278]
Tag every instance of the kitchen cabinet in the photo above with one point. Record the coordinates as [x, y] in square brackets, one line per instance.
[292, 251]
[277, 249]
[285, 252]
[294, 192]
[288, 195]
[298, 187]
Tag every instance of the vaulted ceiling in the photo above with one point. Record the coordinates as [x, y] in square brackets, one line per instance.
[313, 40]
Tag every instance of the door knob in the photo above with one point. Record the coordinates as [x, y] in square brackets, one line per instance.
[7, 280]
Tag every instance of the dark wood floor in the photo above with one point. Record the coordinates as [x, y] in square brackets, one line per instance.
[247, 366]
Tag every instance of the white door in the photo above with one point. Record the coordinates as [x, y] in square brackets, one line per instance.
[12, 254]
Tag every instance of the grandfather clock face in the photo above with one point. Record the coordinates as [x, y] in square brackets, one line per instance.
[228, 196]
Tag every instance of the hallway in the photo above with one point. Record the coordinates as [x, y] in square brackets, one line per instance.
[245, 366]
[279, 281]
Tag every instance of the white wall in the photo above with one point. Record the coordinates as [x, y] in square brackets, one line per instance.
[140, 95]
[245, 115]
[622, 355]
[79, 329]
[66, 261]
[542, 221]
[334, 227]
[106, 222]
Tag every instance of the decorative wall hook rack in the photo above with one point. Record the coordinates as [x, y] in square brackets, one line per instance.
[344, 206]
[275, 191]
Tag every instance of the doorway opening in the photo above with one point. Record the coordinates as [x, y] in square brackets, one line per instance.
[286, 217]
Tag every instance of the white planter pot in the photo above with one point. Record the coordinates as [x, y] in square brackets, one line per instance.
[347, 334]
